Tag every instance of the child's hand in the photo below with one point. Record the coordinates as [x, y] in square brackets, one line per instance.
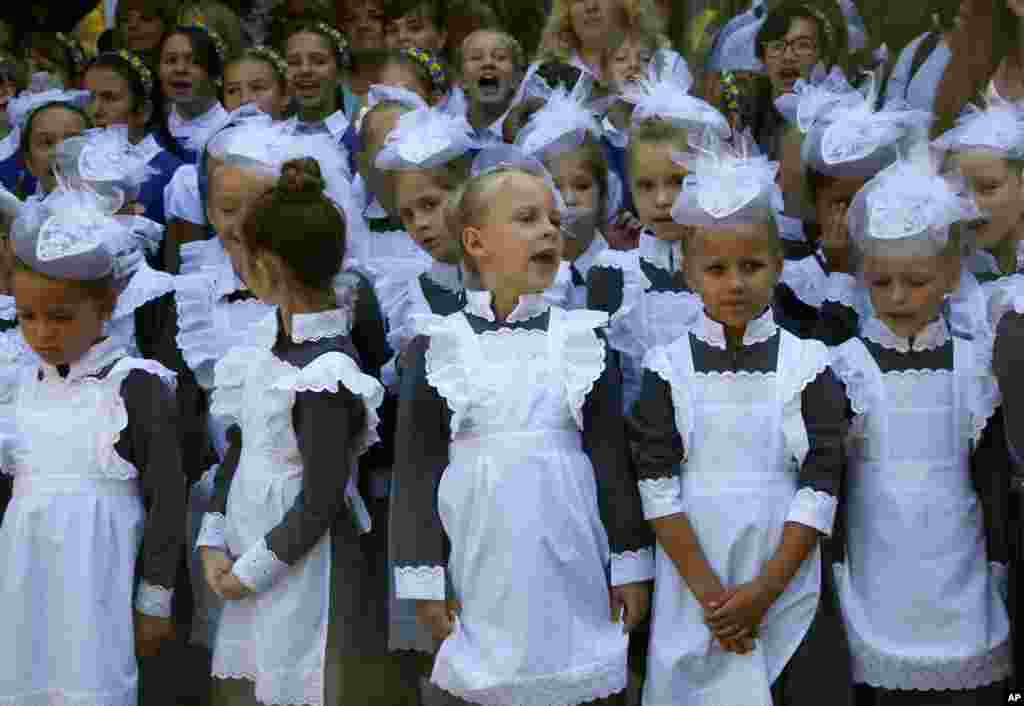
[742, 613]
[215, 564]
[230, 588]
[744, 641]
[835, 240]
[150, 634]
[624, 232]
[636, 599]
[438, 617]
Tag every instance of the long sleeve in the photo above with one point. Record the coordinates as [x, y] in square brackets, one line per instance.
[839, 320]
[604, 440]
[1006, 363]
[605, 289]
[324, 425]
[211, 533]
[151, 443]
[823, 404]
[418, 544]
[657, 448]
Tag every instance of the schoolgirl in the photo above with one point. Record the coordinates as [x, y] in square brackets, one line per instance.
[90, 436]
[294, 567]
[735, 413]
[121, 87]
[191, 69]
[258, 75]
[316, 55]
[510, 450]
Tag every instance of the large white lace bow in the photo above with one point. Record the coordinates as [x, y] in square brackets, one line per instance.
[20, 108]
[564, 120]
[665, 94]
[426, 138]
[998, 127]
[107, 157]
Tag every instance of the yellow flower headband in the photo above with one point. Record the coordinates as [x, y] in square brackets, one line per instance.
[144, 74]
[219, 45]
[271, 57]
[340, 43]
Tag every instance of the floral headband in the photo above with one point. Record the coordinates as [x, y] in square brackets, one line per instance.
[340, 43]
[437, 74]
[271, 57]
[219, 45]
[143, 72]
[77, 55]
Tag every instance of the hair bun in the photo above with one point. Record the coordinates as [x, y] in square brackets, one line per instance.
[301, 179]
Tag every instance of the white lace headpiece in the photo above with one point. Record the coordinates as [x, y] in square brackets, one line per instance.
[998, 127]
[908, 208]
[21, 108]
[665, 94]
[248, 114]
[426, 138]
[727, 184]
[107, 161]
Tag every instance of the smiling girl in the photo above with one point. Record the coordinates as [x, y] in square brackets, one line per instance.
[258, 75]
[316, 55]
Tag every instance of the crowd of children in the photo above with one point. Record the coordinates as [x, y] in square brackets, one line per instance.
[432, 374]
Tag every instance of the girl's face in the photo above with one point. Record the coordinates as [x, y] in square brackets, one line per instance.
[312, 71]
[595, 22]
[50, 127]
[362, 21]
[415, 30]
[518, 246]
[254, 81]
[489, 72]
[402, 76]
[998, 190]
[58, 322]
[628, 63]
[580, 191]
[791, 58]
[112, 101]
[656, 181]
[907, 292]
[185, 82]
[421, 201]
[734, 272]
[141, 30]
[231, 189]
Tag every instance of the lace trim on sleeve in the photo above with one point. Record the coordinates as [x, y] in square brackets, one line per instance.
[259, 567]
[661, 497]
[153, 600]
[813, 508]
[420, 583]
[212, 531]
[633, 566]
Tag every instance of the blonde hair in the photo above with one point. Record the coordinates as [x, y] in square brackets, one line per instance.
[559, 40]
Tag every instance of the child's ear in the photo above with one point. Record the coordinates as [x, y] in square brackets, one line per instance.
[473, 242]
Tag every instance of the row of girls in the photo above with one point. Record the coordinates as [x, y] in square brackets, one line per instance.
[449, 317]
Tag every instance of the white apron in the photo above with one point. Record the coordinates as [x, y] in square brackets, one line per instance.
[745, 440]
[276, 638]
[69, 542]
[518, 502]
[915, 525]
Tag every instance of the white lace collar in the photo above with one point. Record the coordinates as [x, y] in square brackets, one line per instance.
[664, 254]
[935, 335]
[446, 276]
[181, 126]
[758, 330]
[585, 261]
[225, 280]
[8, 308]
[478, 303]
[337, 123]
[320, 325]
[97, 359]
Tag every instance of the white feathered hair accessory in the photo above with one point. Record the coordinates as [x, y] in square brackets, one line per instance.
[908, 208]
[998, 127]
[727, 184]
[21, 108]
[106, 161]
[665, 94]
[426, 138]
[563, 122]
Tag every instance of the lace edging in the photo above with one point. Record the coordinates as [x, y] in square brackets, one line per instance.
[632, 566]
[853, 376]
[154, 600]
[657, 361]
[144, 286]
[577, 686]
[65, 697]
[229, 375]
[634, 282]
[813, 508]
[813, 361]
[445, 368]
[661, 497]
[212, 531]
[841, 289]
[583, 356]
[421, 583]
[259, 567]
[805, 285]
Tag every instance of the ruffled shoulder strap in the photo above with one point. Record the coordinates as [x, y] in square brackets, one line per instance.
[634, 281]
[807, 279]
[859, 373]
[674, 364]
[451, 360]
[144, 286]
[800, 362]
[581, 353]
[329, 371]
[125, 366]
[977, 388]
[229, 373]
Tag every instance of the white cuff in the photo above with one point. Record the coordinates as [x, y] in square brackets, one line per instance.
[661, 497]
[842, 288]
[154, 601]
[813, 508]
[211, 532]
[633, 566]
[259, 567]
[420, 583]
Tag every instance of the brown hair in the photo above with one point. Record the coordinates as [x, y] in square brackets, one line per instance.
[103, 290]
[592, 154]
[559, 41]
[655, 130]
[297, 222]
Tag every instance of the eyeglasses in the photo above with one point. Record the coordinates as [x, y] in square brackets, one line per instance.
[802, 47]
